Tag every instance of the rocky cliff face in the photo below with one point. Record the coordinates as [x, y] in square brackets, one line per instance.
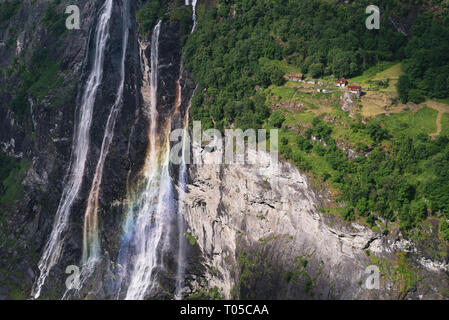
[252, 232]
[43, 136]
[262, 236]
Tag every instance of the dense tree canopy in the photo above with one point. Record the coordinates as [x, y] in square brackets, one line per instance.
[427, 61]
[230, 53]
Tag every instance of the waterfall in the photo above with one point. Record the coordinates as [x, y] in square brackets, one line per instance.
[91, 242]
[151, 210]
[153, 213]
[74, 178]
[194, 17]
[180, 272]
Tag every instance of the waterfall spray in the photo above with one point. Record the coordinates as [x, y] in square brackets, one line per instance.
[81, 141]
[91, 242]
[194, 14]
[150, 211]
[182, 183]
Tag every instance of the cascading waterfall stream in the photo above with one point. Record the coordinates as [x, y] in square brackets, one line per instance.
[180, 272]
[194, 14]
[194, 17]
[91, 242]
[148, 226]
[151, 211]
[81, 141]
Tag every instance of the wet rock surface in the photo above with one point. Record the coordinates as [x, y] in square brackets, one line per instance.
[253, 232]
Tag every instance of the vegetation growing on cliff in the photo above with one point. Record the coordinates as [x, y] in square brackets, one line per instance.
[231, 51]
[427, 61]
[11, 178]
[34, 79]
[211, 294]
[8, 9]
[53, 19]
[242, 49]
[402, 273]
[150, 12]
[36, 71]
[7, 165]
[399, 175]
[148, 15]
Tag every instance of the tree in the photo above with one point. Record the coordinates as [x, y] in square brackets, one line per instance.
[447, 85]
[362, 207]
[403, 87]
[277, 76]
[376, 132]
[316, 70]
[419, 210]
[341, 64]
[284, 141]
[269, 73]
[277, 119]
[444, 229]
[416, 96]
[348, 213]
[440, 89]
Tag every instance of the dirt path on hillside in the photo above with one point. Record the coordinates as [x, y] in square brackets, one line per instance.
[441, 108]
[439, 116]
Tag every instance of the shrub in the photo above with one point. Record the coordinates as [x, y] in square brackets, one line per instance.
[316, 70]
[277, 119]
[147, 16]
[444, 229]
[416, 96]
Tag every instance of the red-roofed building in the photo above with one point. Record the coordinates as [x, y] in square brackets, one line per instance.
[342, 82]
[355, 89]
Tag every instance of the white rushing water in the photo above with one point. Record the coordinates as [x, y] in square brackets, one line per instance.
[194, 17]
[53, 247]
[194, 14]
[182, 183]
[149, 224]
[152, 209]
[91, 242]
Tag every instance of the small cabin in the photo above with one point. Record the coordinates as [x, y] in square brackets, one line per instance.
[355, 89]
[342, 82]
[296, 78]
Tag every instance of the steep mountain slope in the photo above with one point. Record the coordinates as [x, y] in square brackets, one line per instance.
[85, 123]
[48, 126]
[262, 236]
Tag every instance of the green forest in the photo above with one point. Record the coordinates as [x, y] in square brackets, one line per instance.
[233, 52]
[230, 53]
[86, 173]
